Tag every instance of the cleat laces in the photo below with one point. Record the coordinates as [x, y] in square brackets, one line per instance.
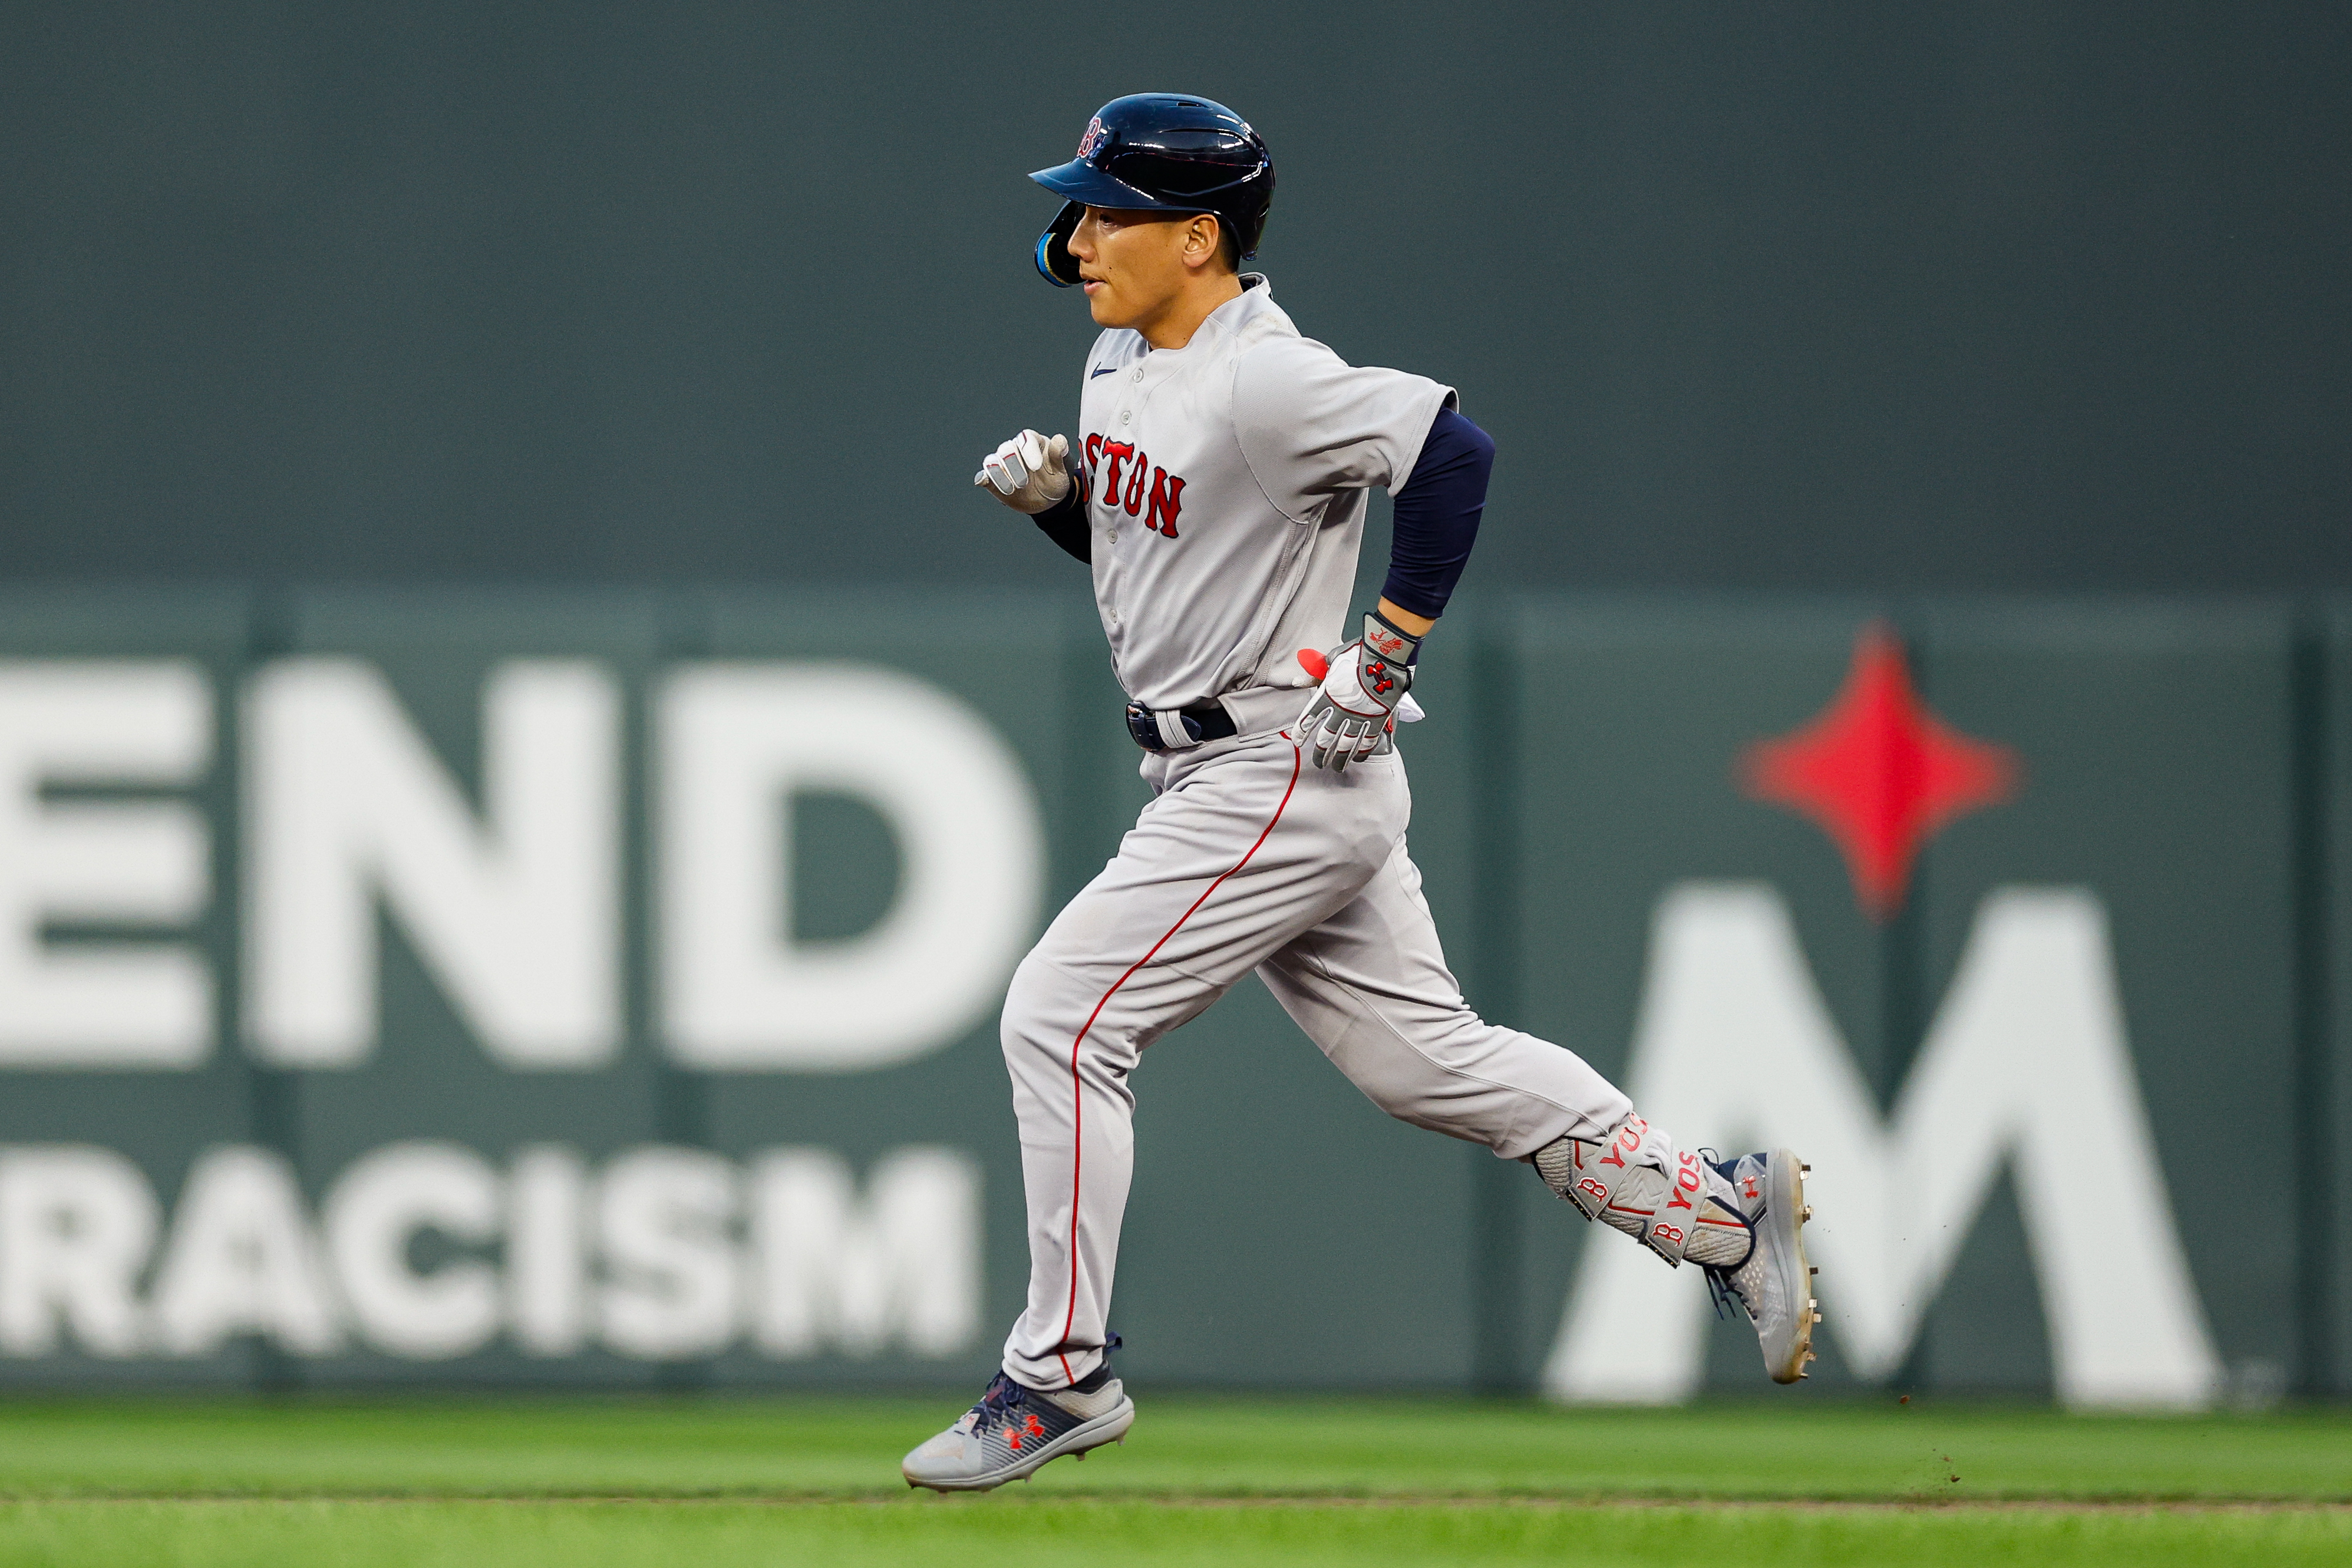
[996, 1404]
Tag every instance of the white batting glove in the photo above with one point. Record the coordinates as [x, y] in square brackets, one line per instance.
[1317, 664]
[1028, 472]
[1362, 694]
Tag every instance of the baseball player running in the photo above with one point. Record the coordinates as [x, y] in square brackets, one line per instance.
[1217, 491]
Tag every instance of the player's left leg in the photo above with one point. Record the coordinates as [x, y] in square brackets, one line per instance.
[1370, 985]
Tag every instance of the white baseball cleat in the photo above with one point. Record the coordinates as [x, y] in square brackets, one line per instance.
[1014, 1430]
[1773, 1283]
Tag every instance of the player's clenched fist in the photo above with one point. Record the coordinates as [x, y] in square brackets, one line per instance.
[1028, 472]
[1355, 709]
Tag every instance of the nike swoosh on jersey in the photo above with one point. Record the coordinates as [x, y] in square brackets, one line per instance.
[1104, 371]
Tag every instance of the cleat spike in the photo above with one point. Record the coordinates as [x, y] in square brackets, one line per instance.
[1806, 1169]
[1817, 1317]
[1807, 1215]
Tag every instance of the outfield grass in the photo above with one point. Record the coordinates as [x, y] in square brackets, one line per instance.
[719, 1483]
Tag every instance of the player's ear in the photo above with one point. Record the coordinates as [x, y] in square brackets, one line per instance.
[1204, 238]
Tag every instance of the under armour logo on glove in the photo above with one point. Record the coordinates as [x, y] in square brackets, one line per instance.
[1355, 709]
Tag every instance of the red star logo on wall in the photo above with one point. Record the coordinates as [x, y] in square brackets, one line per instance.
[1880, 773]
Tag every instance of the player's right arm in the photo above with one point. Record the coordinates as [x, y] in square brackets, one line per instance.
[1310, 426]
[1437, 514]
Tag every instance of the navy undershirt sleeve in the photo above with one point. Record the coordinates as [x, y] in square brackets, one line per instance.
[1437, 515]
[1064, 522]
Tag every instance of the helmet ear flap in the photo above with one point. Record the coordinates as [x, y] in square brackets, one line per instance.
[1055, 261]
[1255, 233]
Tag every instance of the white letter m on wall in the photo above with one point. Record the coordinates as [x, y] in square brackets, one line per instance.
[2026, 1061]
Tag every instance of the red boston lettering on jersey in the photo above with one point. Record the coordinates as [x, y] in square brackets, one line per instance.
[1130, 483]
[1114, 453]
[1166, 500]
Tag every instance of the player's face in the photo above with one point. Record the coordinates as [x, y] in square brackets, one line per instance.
[1132, 262]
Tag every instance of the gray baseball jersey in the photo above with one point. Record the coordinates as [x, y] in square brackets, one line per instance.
[1228, 492]
[1227, 482]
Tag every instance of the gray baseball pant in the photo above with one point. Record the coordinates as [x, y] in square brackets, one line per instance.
[1249, 857]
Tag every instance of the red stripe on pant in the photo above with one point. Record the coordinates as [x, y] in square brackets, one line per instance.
[1077, 1089]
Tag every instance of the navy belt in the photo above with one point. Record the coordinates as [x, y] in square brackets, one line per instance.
[1161, 730]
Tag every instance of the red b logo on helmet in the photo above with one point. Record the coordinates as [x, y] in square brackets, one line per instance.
[1092, 139]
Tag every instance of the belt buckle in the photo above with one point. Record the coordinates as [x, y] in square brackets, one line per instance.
[1139, 726]
[1144, 725]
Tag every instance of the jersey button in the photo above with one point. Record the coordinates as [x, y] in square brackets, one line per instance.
[1125, 414]
[1114, 535]
[1138, 373]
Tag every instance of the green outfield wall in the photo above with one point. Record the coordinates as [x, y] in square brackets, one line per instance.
[1833, 295]
[507, 988]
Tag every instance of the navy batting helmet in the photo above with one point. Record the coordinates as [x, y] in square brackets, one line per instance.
[1160, 153]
